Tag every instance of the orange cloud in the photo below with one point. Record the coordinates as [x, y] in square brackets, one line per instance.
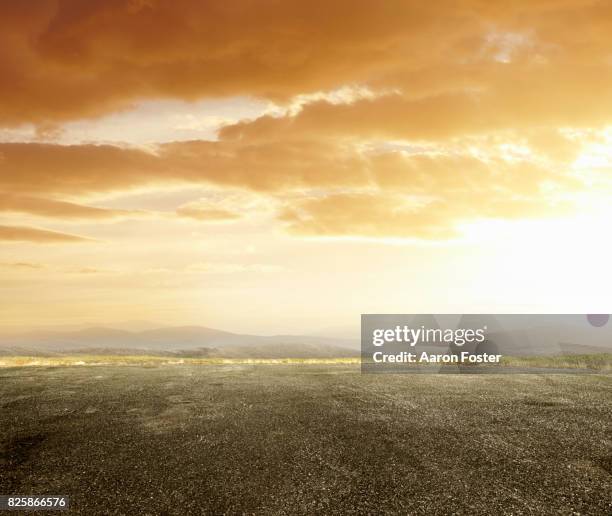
[377, 215]
[88, 169]
[368, 215]
[463, 186]
[75, 59]
[197, 212]
[27, 234]
[56, 209]
[30, 168]
[530, 100]
[450, 82]
[64, 60]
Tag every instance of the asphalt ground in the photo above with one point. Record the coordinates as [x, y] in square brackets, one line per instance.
[305, 439]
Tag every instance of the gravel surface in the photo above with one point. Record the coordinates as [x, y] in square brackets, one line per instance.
[300, 439]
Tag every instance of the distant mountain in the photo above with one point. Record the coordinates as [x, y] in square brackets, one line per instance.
[175, 341]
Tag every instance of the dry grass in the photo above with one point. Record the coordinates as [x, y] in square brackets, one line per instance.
[106, 360]
[598, 362]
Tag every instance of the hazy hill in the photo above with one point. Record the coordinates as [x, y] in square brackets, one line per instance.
[182, 341]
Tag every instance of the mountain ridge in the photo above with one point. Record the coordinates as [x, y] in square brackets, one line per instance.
[179, 340]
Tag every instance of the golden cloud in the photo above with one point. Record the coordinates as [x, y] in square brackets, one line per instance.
[89, 169]
[195, 211]
[28, 234]
[463, 186]
[63, 60]
[73, 59]
[450, 82]
[391, 215]
[56, 209]
[520, 104]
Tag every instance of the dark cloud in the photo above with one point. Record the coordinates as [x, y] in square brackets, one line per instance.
[67, 59]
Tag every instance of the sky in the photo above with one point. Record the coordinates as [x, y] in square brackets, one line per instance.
[283, 166]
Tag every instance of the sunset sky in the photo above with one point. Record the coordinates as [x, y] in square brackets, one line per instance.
[283, 166]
